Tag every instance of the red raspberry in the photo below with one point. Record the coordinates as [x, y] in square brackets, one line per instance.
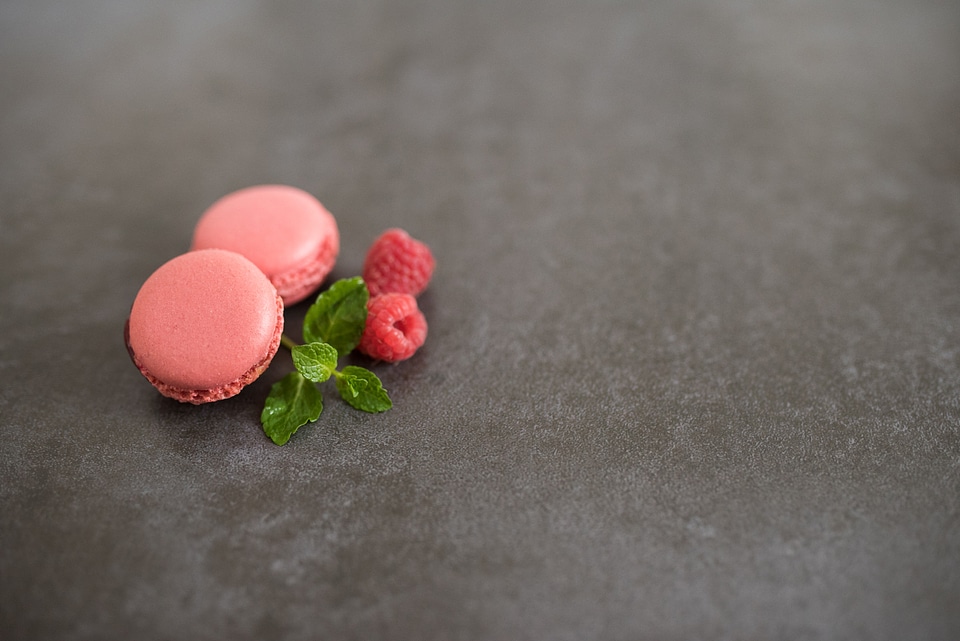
[397, 263]
[395, 327]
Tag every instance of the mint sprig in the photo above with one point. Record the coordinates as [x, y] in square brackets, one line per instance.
[332, 328]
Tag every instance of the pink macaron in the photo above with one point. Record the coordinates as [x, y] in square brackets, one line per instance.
[283, 230]
[204, 325]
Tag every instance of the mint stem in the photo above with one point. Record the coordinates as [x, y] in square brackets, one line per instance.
[287, 342]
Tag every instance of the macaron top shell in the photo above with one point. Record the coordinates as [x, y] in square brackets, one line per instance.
[203, 320]
[281, 229]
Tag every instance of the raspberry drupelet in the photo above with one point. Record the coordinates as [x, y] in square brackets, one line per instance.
[395, 327]
[397, 263]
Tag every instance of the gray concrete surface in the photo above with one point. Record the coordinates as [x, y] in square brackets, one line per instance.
[693, 369]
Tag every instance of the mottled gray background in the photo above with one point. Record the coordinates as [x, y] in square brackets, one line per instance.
[693, 369]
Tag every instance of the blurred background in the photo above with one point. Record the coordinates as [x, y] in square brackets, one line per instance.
[692, 369]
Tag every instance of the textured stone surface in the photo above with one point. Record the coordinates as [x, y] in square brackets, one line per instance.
[693, 368]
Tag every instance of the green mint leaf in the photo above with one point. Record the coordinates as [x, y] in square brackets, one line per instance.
[338, 315]
[363, 390]
[293, 402]
[316, 361]
[353, 385]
